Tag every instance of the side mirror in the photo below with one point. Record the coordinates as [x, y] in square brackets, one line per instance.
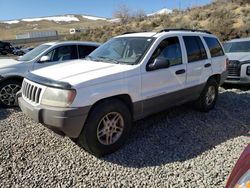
[44, 59]
[158, 63]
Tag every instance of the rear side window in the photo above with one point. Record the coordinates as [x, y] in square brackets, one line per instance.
[214, 47]
[65, 53]
[195, 48]
[85, 51]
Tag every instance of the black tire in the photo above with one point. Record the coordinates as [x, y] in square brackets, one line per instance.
[202, 103]
[88, 138]
[8, 100]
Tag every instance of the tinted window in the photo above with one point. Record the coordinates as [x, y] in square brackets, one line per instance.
[65, 53]
[170, 49]
[214, 47]
[85, 50]
[195, 48]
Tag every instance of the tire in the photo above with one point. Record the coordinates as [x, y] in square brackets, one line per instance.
[106, 111]
[8, 90]
[208, 97]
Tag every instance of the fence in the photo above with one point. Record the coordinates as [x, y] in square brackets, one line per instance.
[34, 40]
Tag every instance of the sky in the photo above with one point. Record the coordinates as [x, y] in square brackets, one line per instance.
[17, 9]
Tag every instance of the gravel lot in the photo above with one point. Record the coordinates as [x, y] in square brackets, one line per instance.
[177, 148]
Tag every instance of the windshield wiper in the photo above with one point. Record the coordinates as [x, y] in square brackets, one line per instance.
[108, 59]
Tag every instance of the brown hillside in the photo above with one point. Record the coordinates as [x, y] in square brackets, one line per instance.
[225, 18]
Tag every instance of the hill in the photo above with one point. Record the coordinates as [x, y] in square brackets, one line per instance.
[226, 18]
[61, 23]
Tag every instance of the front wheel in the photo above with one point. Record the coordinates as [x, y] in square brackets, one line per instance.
[8, 91]
[208, 97]
[106, 128]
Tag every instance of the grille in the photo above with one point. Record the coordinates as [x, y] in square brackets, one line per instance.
[31, 92]
[234, 68]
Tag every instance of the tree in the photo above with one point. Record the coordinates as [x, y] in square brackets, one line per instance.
[122, 12]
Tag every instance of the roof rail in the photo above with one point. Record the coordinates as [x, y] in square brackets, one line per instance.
[183, 29]
[131, 32]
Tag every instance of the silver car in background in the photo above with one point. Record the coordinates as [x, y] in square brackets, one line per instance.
[238, 52]
[13, 71]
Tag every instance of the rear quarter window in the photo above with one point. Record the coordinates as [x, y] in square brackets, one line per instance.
[214, 47]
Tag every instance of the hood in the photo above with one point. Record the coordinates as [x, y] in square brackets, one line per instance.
[8, 63]
[84, 73]
[239, 56]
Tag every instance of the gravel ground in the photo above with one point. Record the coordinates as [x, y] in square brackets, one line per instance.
[177, 148]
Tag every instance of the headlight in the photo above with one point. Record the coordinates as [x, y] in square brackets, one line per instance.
[248, 70]
[58, 97]
[244, 181]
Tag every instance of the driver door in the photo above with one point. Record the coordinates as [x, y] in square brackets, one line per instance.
[163, 87]
[58, 55]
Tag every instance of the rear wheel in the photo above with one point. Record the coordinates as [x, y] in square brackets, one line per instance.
[8, 91]
[106, 128]
[208, 97]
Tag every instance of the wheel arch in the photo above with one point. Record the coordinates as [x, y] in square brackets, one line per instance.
[17, 78]
[125, 98]
[216, 77]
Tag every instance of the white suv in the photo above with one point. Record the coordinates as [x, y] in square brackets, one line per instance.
[13, 71]
[129, 77]
[238, 52]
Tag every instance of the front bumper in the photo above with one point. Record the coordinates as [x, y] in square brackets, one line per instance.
[242, 79]
[65, 121]
[237, 80]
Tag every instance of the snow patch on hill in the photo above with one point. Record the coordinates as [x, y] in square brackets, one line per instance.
[66, 18]
[11, 22]
[162, 11]
[93, 17]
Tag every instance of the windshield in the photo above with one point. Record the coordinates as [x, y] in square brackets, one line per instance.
[34, 53]
[231, 47]
[124, 50]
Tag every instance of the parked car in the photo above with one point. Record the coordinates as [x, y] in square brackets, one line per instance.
[22, 51]
[127, 78]
[12, 71]
[5, 48]
[240, 176]
[238, 52]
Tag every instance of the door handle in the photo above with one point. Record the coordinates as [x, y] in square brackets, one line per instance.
[207, 65]
[182, 71]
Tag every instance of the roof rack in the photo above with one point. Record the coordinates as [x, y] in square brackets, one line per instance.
[131, 32]
[183, 29]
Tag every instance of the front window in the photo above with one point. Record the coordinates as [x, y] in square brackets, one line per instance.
[34, 53]
[231, 47]
[124, 50]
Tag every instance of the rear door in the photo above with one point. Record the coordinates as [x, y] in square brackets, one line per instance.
[199, 66]
[159, 87]
[58, 55]
[217, 55]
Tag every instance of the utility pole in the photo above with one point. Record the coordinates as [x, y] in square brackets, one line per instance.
[179, 5]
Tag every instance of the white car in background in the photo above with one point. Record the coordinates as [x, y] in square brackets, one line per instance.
[13, 71]
[238, 52]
